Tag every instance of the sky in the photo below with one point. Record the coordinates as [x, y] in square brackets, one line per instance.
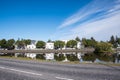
[59, 19]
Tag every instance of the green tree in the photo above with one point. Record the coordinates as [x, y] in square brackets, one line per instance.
[89, 42]
[40, 44]
[118, 40]
[113, 41]
[20, 44]
[27, 41]
[103, 47]
[93, 39]
[77, 39]
[3, 43]
[49, 40]
[59, 44]
[71, 44]
[10, 44]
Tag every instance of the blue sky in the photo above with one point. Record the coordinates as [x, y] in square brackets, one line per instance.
[59, 19]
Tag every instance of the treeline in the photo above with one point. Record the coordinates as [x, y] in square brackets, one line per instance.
[10, 44]
[100, 46]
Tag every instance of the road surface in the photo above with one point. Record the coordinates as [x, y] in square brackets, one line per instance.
[12, 69]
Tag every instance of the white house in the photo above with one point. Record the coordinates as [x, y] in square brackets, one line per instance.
[32, 46]
[80, 45]
[49, 45]
[49, 56]
[65, 41]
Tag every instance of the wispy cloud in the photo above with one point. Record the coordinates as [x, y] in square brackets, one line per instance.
[95, 19]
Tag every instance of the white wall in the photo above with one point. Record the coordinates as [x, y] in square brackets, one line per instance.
[49, 46]
[78, 45]
[31, 46]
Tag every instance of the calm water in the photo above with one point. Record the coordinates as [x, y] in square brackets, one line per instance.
[91, 57]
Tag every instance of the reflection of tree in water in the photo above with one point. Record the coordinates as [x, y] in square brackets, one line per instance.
[106, 58]
[102, 57]
[116, 57]
[72, 57]
[89, 57]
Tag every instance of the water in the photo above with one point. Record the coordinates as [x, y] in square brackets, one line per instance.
[82, 57]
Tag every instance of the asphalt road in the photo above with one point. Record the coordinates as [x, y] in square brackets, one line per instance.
[12, 69]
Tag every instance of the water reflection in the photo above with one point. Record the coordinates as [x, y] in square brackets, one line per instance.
[82, 57]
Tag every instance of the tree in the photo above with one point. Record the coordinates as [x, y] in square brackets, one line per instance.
[27, 42]
[49, 40]
[59, 44]
[77, 39]
[71, 43]
[40, 44]
[84, 42]
[89, 42]
[20, 44]
[3, 43]
[103, 47]
[113, 41]
[10, 44]
[93, 39]
[118, 40]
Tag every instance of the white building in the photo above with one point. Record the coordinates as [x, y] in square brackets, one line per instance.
[79, 45]
[49, 56]
[65, 41]
[32, 46]
[49, 45]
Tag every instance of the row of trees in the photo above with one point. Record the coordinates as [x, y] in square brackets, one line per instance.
[10, 44]
[58, 44]
[91, 43]
[7, 44]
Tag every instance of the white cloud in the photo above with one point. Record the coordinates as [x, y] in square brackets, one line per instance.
[91, 8]
[100, 26]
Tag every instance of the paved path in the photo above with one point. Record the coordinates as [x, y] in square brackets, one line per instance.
[12, 69]
[85, 50]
